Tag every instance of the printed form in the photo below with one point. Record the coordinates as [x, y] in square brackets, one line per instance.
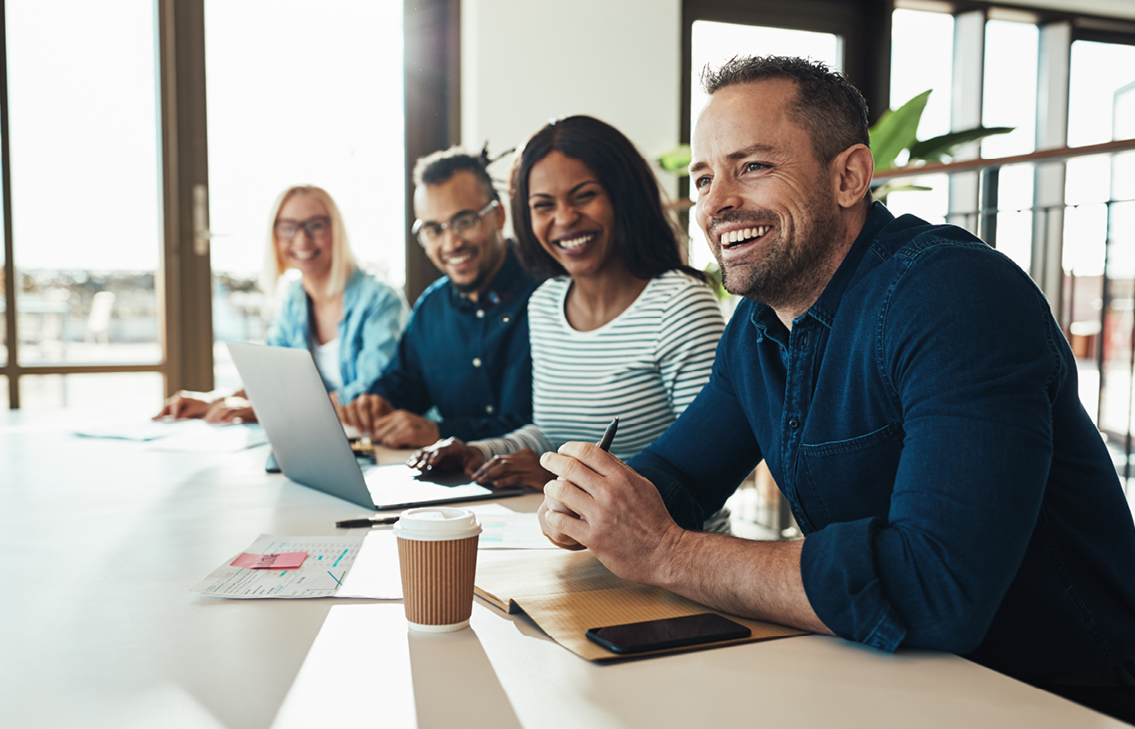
[323, 573]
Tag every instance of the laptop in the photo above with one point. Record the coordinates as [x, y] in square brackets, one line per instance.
[312, 448]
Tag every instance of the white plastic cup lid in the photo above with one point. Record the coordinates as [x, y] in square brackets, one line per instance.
[436, 524]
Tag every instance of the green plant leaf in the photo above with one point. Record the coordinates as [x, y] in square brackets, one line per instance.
[896, 130]
[938, 147]
[714, 273]
[677, 160]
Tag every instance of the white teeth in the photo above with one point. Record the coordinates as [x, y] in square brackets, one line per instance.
[575, 243]
[303, 256]
[458, 260]
[737, 236]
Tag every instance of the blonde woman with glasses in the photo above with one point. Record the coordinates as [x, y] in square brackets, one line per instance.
[348, 319]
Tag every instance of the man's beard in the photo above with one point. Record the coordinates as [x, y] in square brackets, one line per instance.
[482, 273]
[473, 285]
[787, 274]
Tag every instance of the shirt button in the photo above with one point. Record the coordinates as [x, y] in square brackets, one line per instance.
[480, 313]
[489, 409]
[476, 361]
[794, 423]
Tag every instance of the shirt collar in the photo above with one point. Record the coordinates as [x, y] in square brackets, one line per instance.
[503, 285]
[825, 307]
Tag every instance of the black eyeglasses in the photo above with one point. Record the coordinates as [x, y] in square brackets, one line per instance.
[314, 227]
[462, 224]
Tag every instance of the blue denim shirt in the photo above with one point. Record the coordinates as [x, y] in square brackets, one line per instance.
[469, 360]
[923, 421]
[374, 315]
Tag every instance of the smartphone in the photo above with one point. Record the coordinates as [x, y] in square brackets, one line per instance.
[652, 635]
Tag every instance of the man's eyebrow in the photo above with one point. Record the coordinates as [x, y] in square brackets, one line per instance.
[451, 217]
[739, 154]
[751, 150]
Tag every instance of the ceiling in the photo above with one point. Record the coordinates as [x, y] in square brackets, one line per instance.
[1107, 8]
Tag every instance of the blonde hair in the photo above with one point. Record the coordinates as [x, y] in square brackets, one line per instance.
[343, 263]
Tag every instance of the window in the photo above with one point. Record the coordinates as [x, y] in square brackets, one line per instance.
[304, 94]
[713, 44]
[84, 191]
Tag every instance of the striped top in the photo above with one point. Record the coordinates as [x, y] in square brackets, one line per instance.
[646, 365]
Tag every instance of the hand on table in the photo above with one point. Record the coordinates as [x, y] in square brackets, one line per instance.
[601, 504]
[232, 410]
[521, 468]
[449, 454]
[404, 429]
[362, 412]
[185, 404]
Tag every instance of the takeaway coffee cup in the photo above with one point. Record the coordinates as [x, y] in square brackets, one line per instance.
[437, 552]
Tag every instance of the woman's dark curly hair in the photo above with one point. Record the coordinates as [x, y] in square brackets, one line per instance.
[644, 236]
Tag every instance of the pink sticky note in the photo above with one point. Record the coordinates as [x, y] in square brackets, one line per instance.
[278, 561]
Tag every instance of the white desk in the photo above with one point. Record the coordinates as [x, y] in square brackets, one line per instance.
[102, 541]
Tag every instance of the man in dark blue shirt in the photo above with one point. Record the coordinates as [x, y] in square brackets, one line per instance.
[914, 399]
[465, 350]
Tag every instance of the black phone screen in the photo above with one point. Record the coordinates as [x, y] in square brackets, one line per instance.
[654, 635]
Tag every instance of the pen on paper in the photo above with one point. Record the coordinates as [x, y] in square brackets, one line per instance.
[336, 578]
[360, 523]
[609, 435]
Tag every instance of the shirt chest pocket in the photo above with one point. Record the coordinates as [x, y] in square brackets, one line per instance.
[850, 479]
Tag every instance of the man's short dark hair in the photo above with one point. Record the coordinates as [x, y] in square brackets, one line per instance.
[827, 105]
[439, 167]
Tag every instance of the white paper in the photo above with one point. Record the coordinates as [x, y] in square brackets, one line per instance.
[201, 437]
[142, 430]
[503, 528]
[376, 574]
[329, 560]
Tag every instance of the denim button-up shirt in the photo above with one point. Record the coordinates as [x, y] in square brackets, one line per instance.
[923, 421]
[373, 317]
[470, 360]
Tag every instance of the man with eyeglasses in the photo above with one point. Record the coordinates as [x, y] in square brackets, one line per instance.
[464, 355]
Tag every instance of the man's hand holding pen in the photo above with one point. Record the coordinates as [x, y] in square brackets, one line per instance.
[600, 503]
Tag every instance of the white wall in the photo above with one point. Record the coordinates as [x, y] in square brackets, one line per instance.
[524, 62]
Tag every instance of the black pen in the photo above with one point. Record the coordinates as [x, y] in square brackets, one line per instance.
[357, 523]
[609, 435]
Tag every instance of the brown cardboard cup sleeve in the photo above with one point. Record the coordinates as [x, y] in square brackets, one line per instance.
[437, 553]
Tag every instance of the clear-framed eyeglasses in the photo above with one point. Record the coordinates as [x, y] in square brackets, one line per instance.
[315, 227]
[463, 224]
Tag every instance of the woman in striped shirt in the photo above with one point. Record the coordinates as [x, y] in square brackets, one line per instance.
[621, 327]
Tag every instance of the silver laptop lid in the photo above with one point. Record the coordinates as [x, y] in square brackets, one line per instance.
[311, 448]
[293, 406]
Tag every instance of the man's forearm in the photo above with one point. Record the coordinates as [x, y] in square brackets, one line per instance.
[753, 579]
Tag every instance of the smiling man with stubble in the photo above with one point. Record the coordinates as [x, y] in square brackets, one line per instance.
[914, 399]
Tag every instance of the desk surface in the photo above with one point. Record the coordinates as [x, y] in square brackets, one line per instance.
[103, 539]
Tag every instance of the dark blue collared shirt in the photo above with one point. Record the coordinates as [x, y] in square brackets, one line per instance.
[924, 423]
[469, 360]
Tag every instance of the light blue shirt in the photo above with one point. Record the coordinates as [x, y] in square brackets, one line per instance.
[374, 315]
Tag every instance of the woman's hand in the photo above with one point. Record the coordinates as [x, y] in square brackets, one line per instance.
[232, 410]
[521, 468]
[185, 404]
[448, 454]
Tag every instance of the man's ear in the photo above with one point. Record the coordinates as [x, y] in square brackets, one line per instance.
[852, 170]
[499, 215]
